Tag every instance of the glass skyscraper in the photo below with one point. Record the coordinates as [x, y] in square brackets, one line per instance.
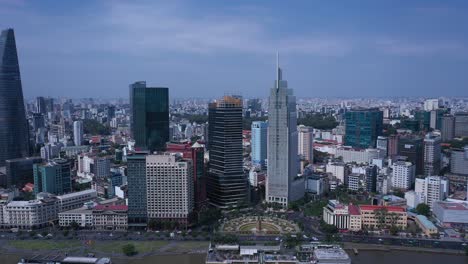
[226, 182]
[14, 138]
[52, 177]
[259, 143]
[363, 126]
[150, 116]
[136, 178]
[282, 186]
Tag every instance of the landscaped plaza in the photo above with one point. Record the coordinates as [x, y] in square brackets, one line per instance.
[259, 225]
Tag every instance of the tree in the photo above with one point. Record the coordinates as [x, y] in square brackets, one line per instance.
[65, 233]
[129, 250]
[423, 209]
[74, 225]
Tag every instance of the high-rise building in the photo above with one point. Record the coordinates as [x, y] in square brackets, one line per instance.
[382, 144]
[196, 153]
[431, 104]
[363, 126]
[412, 147]
[52, 177]
[14, 138]
[393, 145]
[403, 175]
[282, 186]
[101, 167]
[448, 128]
[78, 132]
[459, 161]
[169, 185]
[432, 189]
[259, 143]
[306, 143]
[38, 121]
[432, 153]
[136, 181]
[41, 105]
[461, 125]
[20, 171]
[149, 116]
[226, 182]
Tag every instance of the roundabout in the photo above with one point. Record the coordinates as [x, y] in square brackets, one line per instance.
[259, 225]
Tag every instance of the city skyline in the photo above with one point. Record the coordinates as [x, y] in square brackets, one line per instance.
[330, 50]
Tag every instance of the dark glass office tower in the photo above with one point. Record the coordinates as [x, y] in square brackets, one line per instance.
[150, 116]
[41, 107]
[363, 126]
[136, 177]
[14, 139]
[412, 147]
[226, 183]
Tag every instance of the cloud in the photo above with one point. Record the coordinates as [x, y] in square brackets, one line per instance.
[401, 47]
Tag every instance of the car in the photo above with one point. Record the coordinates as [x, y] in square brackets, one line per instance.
[315, 239]
[305, 237]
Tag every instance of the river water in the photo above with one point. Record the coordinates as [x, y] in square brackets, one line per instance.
[364, 257]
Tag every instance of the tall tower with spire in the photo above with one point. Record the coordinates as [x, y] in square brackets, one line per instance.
[14, 138]
[282, 184]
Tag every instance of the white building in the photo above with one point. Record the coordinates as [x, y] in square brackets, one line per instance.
[170, 190]
[338, 170]
[413, 199]
[432, 189]
[431, 104]
[101, 167]
[78, 132]
[359, 156]
[306, 142]
[403, 175]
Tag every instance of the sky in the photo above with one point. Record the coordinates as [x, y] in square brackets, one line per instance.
[204, 49]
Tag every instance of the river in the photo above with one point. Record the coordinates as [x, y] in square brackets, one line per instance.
[364, 257]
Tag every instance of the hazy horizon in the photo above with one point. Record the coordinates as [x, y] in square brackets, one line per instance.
[200, 49]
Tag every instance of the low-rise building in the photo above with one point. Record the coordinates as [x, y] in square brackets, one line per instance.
[378, 217]
[110, 217]
[427, 227]
[451, 214]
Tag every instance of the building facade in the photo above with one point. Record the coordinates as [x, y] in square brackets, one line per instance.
[432, 189]
[459, 161]
[448, 128]
[52, 177]
[403, 175]
[306, 143]
[78, 132]
[461, 125]
[149, 116]
[363, 126]
[170, 190]
[226, 182]
[432, 153]
[412, 147]
[20, 171]
[281, 184]
[259, 143]
[136, 177]
[14, 137]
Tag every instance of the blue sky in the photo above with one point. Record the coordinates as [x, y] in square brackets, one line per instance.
[206, 48]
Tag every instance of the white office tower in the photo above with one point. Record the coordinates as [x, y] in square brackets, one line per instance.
[306, 142]
[403, 175]
[282, 186]
[169, 187]
[432, 152]
[431, 104]
[432, 189]
[78, 132]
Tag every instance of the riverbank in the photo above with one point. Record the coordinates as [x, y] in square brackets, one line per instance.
[111, 249]
[373, 247]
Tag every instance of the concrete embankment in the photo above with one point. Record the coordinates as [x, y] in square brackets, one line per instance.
[373, 247]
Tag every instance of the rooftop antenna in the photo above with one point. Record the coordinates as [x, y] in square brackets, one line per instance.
[278, 72]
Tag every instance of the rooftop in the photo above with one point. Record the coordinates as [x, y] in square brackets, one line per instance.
[453, 206]
[353, 209]
[425, 222]
[330, 254]
[376, 207]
